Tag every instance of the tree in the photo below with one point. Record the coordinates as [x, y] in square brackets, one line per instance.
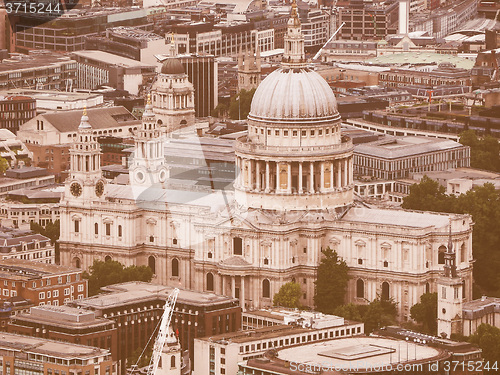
[483, 204]
[288, 295]
[112, 272]
[350, 312]
[428, 195]
[380, 313]
[4, 165]
[484, 152]
[239, 107]
[52, 230]
[331, 283]
[487, 338]
[425, 312]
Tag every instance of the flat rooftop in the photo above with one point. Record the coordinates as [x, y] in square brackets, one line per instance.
[134, 292]
[33, 62]
[26, 269]
[400, 147]
[52, 95]
[400, 218]
[111, 59]
[66, 350]
[62, 316]
[359, 352]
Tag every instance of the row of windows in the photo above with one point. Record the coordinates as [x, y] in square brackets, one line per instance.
[295, 133]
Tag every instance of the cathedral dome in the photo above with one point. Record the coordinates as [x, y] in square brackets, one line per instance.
[298, 93]
[172, 66]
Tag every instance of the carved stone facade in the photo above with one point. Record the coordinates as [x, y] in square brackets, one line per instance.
[293, 197]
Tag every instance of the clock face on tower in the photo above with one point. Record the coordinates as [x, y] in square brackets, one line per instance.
[76, 189]
[99, 188]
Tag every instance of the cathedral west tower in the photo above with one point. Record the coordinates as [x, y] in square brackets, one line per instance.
[294, 156]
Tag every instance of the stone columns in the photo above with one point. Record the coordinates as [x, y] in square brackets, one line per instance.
[242, 292]
[346, 172]
[289, 182]
[222, 284]
[250, 177]
[257, 172]
[339, 174]
[233, 286]
[267, 177]
[322, 178]
[331, 175]
[277, 176]
[300, 178]
[311, 178]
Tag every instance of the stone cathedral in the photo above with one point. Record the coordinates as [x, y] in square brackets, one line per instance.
[292, 197]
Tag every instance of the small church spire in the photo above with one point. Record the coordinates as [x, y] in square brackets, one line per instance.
[84, 121]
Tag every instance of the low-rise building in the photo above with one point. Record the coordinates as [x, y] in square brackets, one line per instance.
[15, 110]
[41, 283]
[56, 100]
[15, 214]
[136, 304]
[397, 157]
[38, 71]
[96, 68]
[33, 355]
[33, 247]
[68, 324]
[221, 354]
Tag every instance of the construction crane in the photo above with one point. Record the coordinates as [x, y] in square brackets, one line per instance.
[328, 41]
[162, 331]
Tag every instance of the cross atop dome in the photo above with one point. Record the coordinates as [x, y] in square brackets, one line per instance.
[294, 55]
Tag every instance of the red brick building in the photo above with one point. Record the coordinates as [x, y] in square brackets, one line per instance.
[41, 283]
[68, 324]
[137, 307]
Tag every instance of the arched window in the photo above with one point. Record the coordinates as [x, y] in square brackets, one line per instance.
[442, 251]
[76, 262]
[96, 228]
[119, 230]
[463, 289]
[360, 288]
[427, 288]
[210, 282]
[462, 253]
[266, 288]
[152, 263]
[237, 246]
[385, 291]
[175, 267]
[172, 361]
[107, 258]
